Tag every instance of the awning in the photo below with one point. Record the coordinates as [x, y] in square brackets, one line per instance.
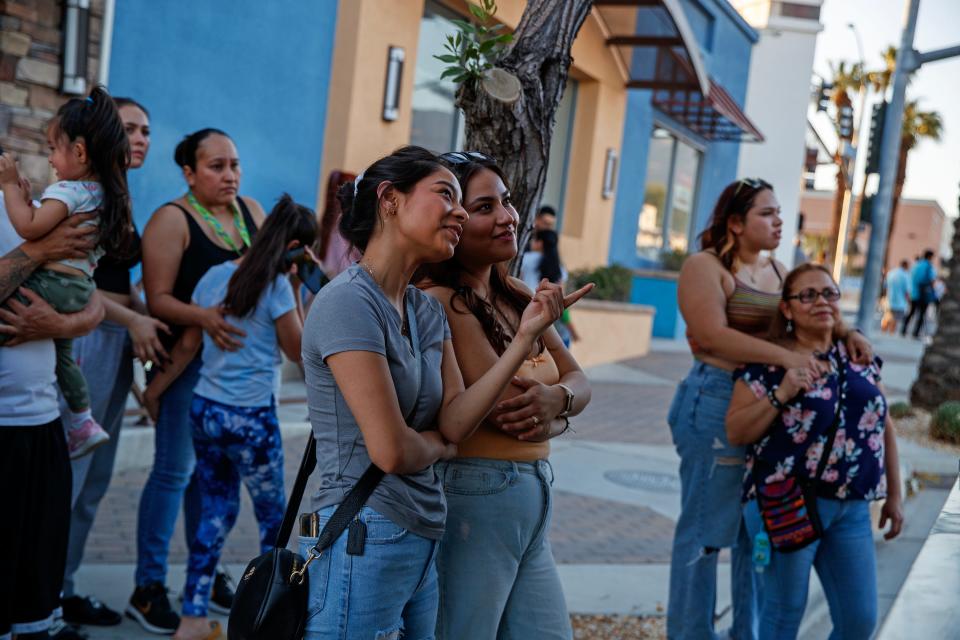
[657, 46]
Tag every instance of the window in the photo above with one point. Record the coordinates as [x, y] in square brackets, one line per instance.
[798, 10]
[673, 169]
[556, 185]
[437, 123]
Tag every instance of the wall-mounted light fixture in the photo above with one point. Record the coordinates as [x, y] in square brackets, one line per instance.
[610, 174]
[76, 38]
[391, 91]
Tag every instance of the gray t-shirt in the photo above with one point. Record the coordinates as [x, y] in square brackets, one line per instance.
[351, 313]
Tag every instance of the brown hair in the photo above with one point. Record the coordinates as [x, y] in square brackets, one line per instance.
[778, 328]
[330, 218]
[734, 202]
[496, 327]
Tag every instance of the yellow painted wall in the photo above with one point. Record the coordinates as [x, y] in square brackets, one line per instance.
[356, 134]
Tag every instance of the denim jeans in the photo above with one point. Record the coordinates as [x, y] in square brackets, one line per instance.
[498, 578]
[711, 473]
[106, 360]
[391, 588]
[845, 563]
[167, 485]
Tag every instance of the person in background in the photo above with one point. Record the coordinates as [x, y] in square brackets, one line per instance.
[922, 277]
[799, 255]
[787, 416]
[106, 360]
[207, 226]
[898, 295]
[335, 252]
[546, 219]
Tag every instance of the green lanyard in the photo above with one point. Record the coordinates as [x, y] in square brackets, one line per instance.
[238, 222]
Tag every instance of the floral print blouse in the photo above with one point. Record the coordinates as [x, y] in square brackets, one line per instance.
[795, 440]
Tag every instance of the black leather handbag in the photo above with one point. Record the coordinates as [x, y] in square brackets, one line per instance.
[271, 598]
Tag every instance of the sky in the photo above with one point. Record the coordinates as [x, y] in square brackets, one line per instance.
[933, 171]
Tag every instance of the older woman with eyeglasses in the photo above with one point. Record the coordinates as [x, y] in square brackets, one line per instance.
[728, 295]
[791, 420]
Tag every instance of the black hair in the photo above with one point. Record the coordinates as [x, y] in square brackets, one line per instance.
[546, 210]
[905, 264]
[185, 155]
[734, 202]
[550, 255]
[130, 102]
[360, 202]
[266, 258]
[96, 120]
[496, 327]
[928, 254]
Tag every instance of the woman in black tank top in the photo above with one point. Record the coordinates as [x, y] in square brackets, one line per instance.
[208, 225]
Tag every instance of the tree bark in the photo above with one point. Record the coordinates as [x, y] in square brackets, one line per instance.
[518, 135]
[905, 147]
[832, 256]
[938, 379]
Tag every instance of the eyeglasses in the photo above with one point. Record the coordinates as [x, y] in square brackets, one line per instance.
[463, 157]
[829, 294]
[753, 183]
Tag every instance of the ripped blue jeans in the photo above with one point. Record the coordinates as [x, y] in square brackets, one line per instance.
[711, 474]
[389, 592]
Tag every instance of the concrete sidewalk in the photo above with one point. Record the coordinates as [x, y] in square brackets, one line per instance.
[616, 497]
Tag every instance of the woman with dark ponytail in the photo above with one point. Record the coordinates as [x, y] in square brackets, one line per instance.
[208, 225]
[728, 295]
[90, 153]
[233, 415]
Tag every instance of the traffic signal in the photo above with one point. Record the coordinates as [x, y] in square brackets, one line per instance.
[845, 122]
[866, 210]
[877, 117]
[824, 93]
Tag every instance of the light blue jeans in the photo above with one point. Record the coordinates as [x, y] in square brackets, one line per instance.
[498, 578]
[167, 485]
[391, 588]
[846, 565]
[711, 473]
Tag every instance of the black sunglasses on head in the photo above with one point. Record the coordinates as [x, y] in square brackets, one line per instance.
[463, 157]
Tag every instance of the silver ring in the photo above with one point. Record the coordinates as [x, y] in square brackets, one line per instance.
[536, 421]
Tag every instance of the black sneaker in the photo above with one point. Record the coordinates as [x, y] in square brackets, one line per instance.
[90, 611]
[60, 630]
[150, 607]
[221, 595]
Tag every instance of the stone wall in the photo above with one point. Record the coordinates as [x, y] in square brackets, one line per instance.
[30, 66]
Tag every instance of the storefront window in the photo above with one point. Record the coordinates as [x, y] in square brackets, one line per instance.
[671, 187]
[437, 123]
[556, 185]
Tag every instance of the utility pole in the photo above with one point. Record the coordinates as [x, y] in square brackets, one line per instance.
[908, 61]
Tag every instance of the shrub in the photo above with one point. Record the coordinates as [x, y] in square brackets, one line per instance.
[900, 410]
[945, 424]
[612, 283]
[672, 260]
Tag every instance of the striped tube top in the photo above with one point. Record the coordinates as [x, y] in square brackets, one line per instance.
[750, 310]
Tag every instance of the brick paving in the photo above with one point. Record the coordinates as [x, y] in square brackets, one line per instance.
[628, 413]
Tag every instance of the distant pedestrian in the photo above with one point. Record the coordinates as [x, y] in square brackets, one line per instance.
[233, 415]
[209, 225]
[546, 219]
[922, 277]
[498, 493]
[844, 417]
[106, 361]
[898, 294]
[799, 255]
[728, 295]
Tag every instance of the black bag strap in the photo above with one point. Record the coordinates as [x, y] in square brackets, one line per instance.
[832, 432]
[353, 502]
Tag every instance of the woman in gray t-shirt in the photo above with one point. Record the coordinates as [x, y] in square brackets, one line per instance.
[372, 400]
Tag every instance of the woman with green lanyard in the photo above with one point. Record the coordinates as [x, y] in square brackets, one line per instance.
[207, 226]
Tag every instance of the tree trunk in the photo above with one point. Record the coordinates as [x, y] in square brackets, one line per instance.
[518, 134]
[832, 256]
[939, 377]
[897, 193]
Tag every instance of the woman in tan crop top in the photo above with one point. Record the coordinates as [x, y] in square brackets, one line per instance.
[728, 295]
[495, 565]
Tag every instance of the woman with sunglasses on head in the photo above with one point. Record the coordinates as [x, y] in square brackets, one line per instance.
[728, 294]
[497, 574]
[791, 420]
[384, 388]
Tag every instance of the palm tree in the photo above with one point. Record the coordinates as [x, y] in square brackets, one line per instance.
[938, 379]
[845, 81]
[917, 125]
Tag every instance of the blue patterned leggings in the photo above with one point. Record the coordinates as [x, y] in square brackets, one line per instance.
[232, 443]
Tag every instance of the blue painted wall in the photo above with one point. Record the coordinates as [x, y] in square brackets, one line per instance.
[258, 70]
[726, 42]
